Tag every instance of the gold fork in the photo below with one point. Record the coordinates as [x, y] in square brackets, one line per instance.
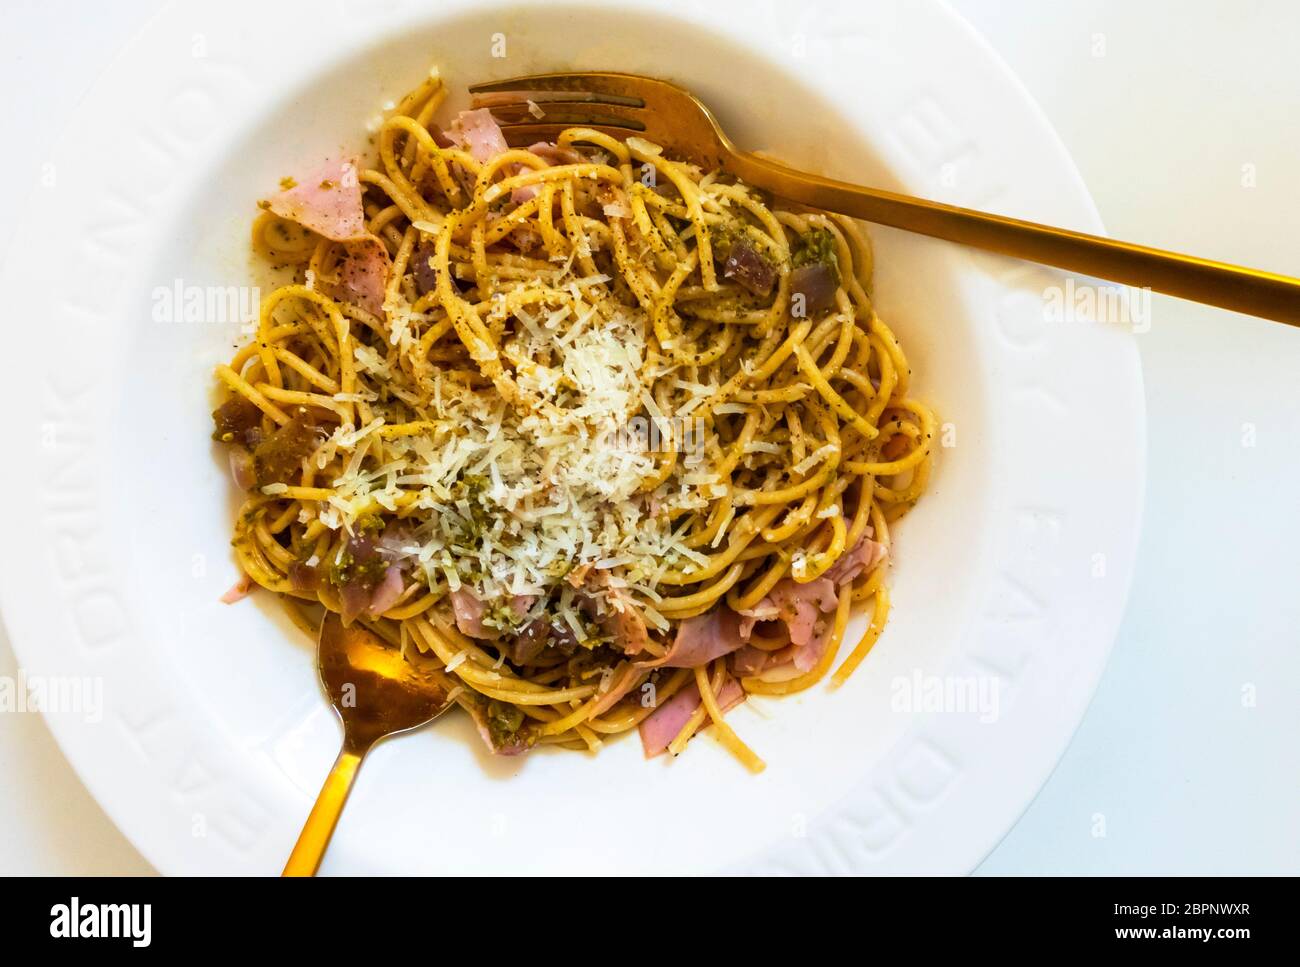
[623, 105]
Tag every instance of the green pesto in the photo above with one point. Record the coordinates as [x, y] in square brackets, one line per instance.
[816, 246]
[503, 722]
[347, 570]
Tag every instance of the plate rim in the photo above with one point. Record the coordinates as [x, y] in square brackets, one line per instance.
[26, 645]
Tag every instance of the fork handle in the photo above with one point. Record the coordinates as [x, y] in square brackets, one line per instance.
[1252, 291]
[316, 832]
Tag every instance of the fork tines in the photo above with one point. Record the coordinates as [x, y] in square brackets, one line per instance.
[543, 104]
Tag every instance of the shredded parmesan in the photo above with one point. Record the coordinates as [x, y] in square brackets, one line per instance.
[517, 497]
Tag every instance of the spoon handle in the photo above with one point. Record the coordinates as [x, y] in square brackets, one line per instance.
[316, 832]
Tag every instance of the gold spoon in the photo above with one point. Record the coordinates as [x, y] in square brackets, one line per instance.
[624, 105]
[377, 693]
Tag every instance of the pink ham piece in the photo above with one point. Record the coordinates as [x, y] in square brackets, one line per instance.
[661, 727]
[799, 606]
[554, 155]
[303, 576]
[612, 607]
[765, 610]
[354, 598]
[469, 611]
[363, 275]
[807, 655]
[479, 134]
[624, 621]
[396, 542]
[866, 554]
[241, 467]
[386, 591]
[815, 285]
[795, 604]
[239, 590]
[703, 638]
[357, 593]
[518, 744]
[781, 666]
[748, 660]
[522, 194]
[328, 202]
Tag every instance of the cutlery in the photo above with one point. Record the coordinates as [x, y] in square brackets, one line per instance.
[623, 105]
[377, 693]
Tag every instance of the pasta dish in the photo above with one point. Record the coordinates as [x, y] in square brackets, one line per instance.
[614, 440]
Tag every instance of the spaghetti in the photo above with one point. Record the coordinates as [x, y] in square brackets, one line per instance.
[614, 440]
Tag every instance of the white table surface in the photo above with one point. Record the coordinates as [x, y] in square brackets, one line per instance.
[1167, 107]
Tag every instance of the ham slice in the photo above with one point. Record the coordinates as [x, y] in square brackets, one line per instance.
[661, 727]
[386, 591]
[354, 598]
[624, 621]
[864, 556]
[365, 588]
[800, 606]
[328, 202]
[479, 134]
[469, 611]
[796, 604]
[748, 660]
[363, 275]
[612, 607]
[745, 266]
[765, 610]
[807, 655]
[703, 638]
[781, 665]
[303, 576]
[517, 742]
[241, 467]
[239, 590]
[554, 155]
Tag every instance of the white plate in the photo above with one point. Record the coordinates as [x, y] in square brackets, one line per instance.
[1011, 575]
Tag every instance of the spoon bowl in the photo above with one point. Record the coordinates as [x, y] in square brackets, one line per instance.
[377, 692]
